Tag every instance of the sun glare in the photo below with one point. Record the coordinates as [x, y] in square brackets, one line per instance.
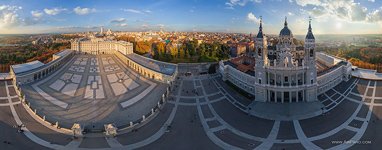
[338, 25]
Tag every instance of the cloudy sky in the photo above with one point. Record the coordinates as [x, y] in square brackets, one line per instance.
[329, 16]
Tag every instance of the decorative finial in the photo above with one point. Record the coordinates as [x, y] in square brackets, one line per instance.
[286, 23]
[310, 20]
[261, 22]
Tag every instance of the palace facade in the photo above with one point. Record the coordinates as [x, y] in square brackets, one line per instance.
[100, 46]
[146, 67]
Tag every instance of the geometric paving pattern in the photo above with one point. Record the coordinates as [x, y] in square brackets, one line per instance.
[107, 60]
[81, 61]
[94, 88]
[77, 68]
[111, 68]
[121, 83]
[204, 107]
[67, 84]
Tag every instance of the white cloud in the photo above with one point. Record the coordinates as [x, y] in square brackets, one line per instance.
[54, 11]
[145, 26]
[308, 2]
[375, 16]
[37, 13]
[317, 11]
[122, 25]
[83, 11]
[345, 10]
[136, 11]
[251, 17]
[161, 25]
[133, 11]
[290, 14]
[9, 16]
[358, 12]
[119, 20]
[231, 3]
[371, 1]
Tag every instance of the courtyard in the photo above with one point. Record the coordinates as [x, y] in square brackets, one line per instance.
[93, 91]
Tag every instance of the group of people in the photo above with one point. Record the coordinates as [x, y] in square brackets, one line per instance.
[19, 129]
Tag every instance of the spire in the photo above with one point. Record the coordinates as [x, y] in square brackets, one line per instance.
[261, 23]
[286, 23]
[310, 33]
[260, 34]
[310, 27]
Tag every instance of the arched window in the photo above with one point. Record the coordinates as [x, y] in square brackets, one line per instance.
[311, 52]
[259, 51]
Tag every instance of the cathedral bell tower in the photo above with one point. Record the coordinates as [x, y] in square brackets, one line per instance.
[310, 60]
[261, 58]
[261, 46]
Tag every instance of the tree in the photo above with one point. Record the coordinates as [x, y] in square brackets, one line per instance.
[143, 47]
[173, 51]
[182, 52]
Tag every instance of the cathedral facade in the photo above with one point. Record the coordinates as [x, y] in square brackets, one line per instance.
[284, 71]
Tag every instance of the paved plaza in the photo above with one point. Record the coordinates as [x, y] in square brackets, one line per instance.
[201, 113]
[92, 90]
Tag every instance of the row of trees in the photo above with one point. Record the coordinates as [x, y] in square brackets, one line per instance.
[369, 58]
[362, 64]
[190, 51]
[22, 54]
[186, 51]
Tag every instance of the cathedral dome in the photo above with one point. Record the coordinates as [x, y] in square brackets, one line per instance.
[285, 31]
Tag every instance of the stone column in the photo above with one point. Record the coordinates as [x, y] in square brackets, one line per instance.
[282, 80]
[303, 95]
[282, 97]
[303, 76]
[275, 98]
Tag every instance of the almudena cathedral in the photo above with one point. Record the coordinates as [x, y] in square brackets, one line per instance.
[101, 95]
[285, 72]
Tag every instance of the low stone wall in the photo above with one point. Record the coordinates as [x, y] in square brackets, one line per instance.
[146, 118]
[5, 76]
[143, 71]
[41, 119]
[43, 71]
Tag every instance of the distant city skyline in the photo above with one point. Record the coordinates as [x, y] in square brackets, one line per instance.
[238, 16]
